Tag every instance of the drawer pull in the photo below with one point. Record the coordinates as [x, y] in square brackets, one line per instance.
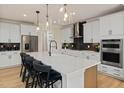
[104, 67]
[3, 53]
[116, 74]
[116, 70]
[87, 57]
[104, 71]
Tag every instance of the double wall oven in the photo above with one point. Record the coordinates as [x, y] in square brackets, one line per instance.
[112, 52]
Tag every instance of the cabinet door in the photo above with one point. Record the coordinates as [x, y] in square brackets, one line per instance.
[15, 33]
[24, 30]
[105, 26]
[4, 32]
[28, 30]
[96, 32]
[15, 58]
[117, 23]
[67, 35]
[88, 33]
[4, 60]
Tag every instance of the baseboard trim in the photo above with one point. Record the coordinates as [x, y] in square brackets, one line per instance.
[7, 67]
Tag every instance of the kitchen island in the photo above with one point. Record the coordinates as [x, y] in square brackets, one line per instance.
[76, 72]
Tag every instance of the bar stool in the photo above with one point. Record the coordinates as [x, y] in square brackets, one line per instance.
[22, 63]
[30, 71]
[46, 76]
[24, 66]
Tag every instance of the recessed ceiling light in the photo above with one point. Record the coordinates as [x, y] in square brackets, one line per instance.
[54, 22]
[24, 15]
[61, 9]
[73, 13]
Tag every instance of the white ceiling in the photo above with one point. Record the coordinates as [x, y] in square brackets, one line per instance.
[83, 11]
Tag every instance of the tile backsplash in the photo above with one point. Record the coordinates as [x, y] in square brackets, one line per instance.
[84, 46]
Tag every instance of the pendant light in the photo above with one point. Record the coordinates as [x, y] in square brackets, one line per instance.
[37, 12]
[47, 21]
[65, 12]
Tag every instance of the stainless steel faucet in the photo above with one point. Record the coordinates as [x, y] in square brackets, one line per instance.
[50, 46]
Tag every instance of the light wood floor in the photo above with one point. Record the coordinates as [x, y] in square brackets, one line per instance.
[9, 78]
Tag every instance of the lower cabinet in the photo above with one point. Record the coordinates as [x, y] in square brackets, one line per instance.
[90, 77]
[4, 59]
[112, 71]
[15, 58]
[8, 59]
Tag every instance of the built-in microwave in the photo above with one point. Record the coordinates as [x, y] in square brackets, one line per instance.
[112, 52]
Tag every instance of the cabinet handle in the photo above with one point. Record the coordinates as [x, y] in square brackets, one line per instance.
[9, 40]
[3, 53]
[116, 70]
[104, 67]
[9, 56]
[116, 74]
[104, 71]
[91, 40]
[87, 57]
[15, 53]
[29, 33]
[110, 32]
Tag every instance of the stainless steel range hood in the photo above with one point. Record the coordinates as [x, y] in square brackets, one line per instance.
[78, 30]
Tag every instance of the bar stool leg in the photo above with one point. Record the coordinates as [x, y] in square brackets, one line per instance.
[24, 74]
[27, 81]
[21, 70]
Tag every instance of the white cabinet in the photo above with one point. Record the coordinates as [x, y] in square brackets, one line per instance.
[15, 35]
[4, 32]
[67, 34]
[15, 58]
[9, 33]
[4, 59]
[88, 33]
[96, 32]
[28, 30]
[112, 24]
[92, 32]
[8, 59]
[111, 70]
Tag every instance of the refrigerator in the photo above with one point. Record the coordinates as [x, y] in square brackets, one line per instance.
[29, 43]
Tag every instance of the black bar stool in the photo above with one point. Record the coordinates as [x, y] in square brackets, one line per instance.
[30, 71]
[46, 76]
[24, 66]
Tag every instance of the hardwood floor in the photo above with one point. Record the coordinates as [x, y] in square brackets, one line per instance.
[104, 81]
[9, 78]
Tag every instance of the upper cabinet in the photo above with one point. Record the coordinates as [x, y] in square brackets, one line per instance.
[112, 24]
[15, 33]
[67, 34]
[28, 30]
[9, 33]
[92, 32]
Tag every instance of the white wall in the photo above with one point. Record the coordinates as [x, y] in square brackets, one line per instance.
[43, 43]
[57, 35]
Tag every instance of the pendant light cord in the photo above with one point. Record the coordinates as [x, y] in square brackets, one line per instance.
[47, 12]
[37, 17]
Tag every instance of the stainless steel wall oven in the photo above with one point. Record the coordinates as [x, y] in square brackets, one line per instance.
[112, 52]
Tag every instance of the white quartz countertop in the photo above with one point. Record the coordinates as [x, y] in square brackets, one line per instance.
[64, 63]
